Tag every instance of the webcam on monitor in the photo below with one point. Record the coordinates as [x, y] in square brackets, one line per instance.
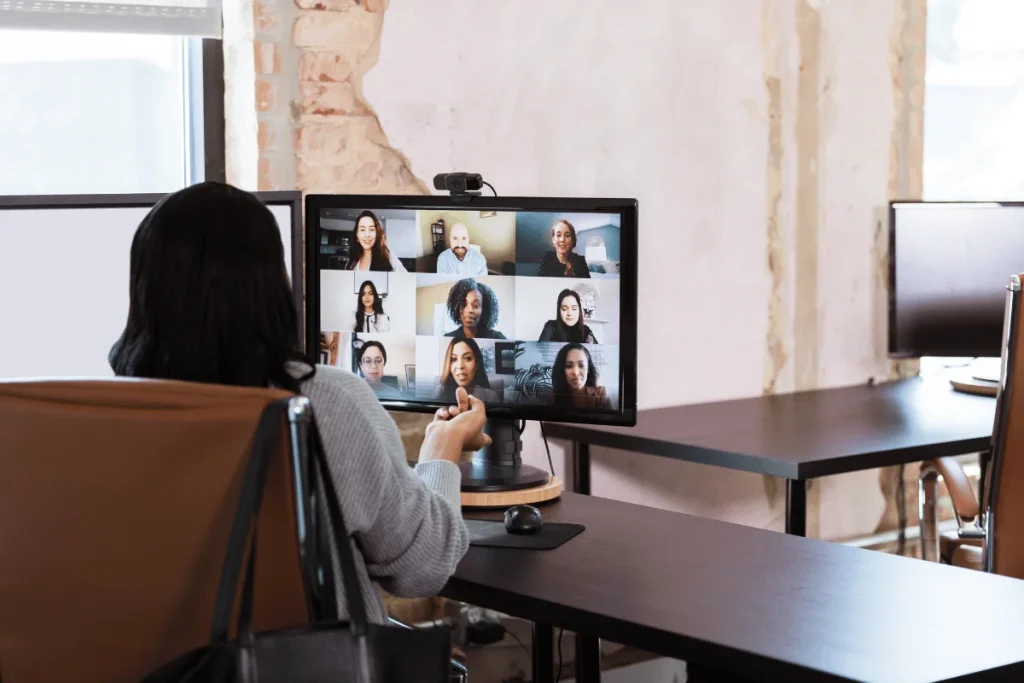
[459, 183]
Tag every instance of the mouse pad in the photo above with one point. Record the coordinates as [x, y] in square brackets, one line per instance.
[492, 534]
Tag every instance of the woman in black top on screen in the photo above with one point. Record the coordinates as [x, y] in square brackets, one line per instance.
[474, 307]
[563, 261]
[568, 324]
[463, 367]
[575, 381]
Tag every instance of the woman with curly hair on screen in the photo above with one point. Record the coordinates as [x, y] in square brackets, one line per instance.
[369, 249]
[574, 380]
[568, 325]
[474, 307]
[370, 315]
[463, 368]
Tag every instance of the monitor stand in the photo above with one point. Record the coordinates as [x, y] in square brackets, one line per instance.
[498, 467]
[986, 369]
[980, 377]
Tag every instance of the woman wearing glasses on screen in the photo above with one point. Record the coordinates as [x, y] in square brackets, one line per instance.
[370, 315]
[568, 324]
[574, 380]
[563, 261]
[463, 368]
[372, 357]
[369, 249]
[473, 306]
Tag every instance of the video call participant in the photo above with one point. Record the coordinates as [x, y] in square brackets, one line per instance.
[370, 315]
[459, 259]
[563, 261]
[231, 320]
[474, 307]
[568, 324]
[574, 380]
[372, 358]
[463, 367]
[369, 250]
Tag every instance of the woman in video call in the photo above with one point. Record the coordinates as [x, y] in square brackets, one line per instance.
[372, 358]
[574, 380]
[369, 249]
[210, 301]
[370, 315]
[568, 324]
[473, 306]
[563, 261]
[463, 368]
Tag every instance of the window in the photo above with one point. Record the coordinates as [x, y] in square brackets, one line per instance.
[99, 113]
[974, 100]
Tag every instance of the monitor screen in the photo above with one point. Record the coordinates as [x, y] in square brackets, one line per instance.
[949, 264]
[529, 303]
[64, 264]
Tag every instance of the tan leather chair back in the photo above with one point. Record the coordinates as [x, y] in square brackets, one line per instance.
[1004, 551]
[116, 501]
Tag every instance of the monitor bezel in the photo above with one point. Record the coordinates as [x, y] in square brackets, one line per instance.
[627, 208]
[145, 199]
[896, 352]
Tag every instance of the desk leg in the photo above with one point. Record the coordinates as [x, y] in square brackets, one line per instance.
[581, 468]
[588, 659]
[543, 653]
[796, 507]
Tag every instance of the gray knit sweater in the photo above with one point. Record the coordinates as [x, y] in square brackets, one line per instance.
[407, 523]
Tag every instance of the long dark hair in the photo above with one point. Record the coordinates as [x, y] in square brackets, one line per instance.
[488, 304]
[576, 333]
[559, 385]
[209, 297]
[380, 259]
[378, 304]
[448, 383]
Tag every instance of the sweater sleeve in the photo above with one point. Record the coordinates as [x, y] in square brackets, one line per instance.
[408, 523]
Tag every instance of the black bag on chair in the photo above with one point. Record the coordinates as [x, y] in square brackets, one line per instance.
[329, 651]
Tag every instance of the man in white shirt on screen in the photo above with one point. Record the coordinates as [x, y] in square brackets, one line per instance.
[459, 259]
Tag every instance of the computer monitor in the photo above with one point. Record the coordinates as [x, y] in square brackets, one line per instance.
[949, 263]
[528, 302]
[64, 262]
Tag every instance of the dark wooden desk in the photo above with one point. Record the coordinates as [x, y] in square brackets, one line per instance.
[802, 435]
[750, 603]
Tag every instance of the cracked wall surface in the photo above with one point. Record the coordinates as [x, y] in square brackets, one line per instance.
[762, 138]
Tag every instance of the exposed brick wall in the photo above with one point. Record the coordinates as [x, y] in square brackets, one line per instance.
[296, 115]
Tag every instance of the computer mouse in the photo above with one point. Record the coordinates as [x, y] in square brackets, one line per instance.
[523, 519]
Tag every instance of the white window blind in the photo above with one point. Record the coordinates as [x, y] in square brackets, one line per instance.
[166, 17]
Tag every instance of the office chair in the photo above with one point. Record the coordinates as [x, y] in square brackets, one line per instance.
[990, 534]
[114, 497]
[116, 503]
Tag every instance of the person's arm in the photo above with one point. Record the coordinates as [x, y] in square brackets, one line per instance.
[383, 322]
[444, 263]
[408, 522]
[396, 265]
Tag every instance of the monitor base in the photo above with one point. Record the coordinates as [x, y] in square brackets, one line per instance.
[986, 369]
[498, 467]
[481, 477]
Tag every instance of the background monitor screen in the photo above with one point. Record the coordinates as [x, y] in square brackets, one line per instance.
[949, 267]
[529, 303]
[64, 277]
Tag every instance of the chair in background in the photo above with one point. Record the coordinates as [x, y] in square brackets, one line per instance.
[116, 502]
[990, 534]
